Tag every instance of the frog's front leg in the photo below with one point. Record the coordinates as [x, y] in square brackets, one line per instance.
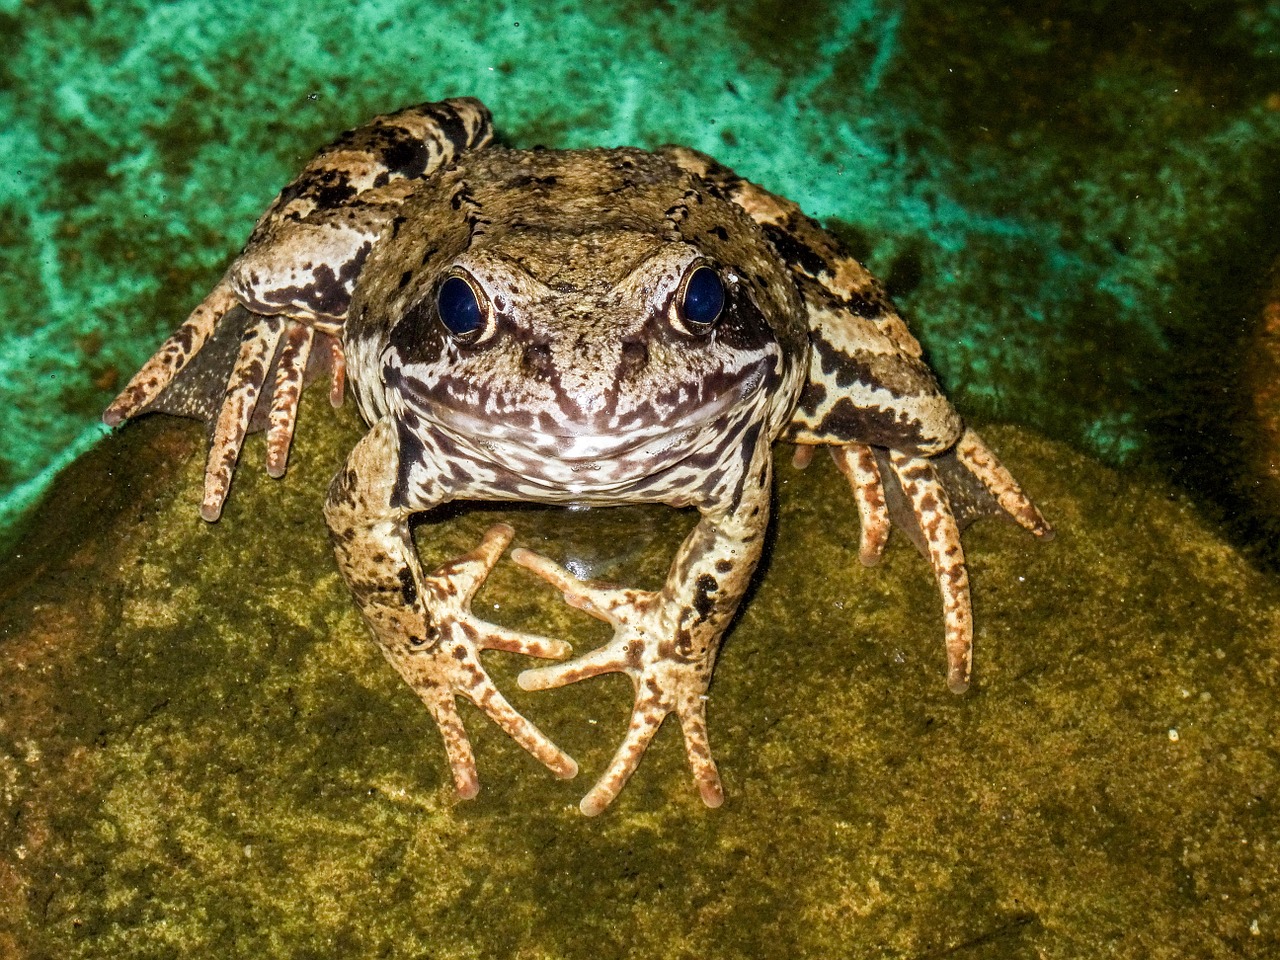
[423, 623]
[666, 641]
[295, 277]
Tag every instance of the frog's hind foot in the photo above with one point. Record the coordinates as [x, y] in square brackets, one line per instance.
[977, 458]
[858, 464]
[932, 499]
[172, 357]
[291, 367]
[215, 368]
[286, 346]
[665, 681]
[239, 401]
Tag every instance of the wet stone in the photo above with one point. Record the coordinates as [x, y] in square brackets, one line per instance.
[203, 754]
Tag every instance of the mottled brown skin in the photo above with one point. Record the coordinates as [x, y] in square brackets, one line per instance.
[587, 367]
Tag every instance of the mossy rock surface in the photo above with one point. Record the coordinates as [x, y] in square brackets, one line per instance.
[202, 753]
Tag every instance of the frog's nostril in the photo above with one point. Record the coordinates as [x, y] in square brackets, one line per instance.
[635, 357]
[537, 360]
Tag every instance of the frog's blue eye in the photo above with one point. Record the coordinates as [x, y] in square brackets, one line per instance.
[460, 309]
[702, 300]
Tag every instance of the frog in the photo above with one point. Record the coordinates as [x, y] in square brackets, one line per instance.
[570, 327]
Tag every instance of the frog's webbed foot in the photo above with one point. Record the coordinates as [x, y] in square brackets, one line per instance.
[172, 357]
[932, 499]
[214, 367]
[269, 342]
[644, 647]
[446, 664]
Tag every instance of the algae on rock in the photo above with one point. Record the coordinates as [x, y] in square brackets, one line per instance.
[204, 754]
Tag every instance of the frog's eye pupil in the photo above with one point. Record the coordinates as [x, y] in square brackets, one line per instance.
[703, 297]
[459, 307]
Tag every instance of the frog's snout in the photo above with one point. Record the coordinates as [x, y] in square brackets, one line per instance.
[539, 361]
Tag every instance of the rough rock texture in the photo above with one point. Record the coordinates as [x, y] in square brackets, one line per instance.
[201, 753]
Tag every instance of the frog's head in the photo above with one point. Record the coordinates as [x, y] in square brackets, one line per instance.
[584, 318]
[586, 351]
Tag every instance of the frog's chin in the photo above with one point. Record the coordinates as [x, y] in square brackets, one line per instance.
[591, 469]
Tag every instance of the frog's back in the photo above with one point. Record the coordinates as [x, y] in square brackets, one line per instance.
[568, 185]
[620, 203]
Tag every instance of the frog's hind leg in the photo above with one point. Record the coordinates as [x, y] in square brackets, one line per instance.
[858, 464]
[257, 350]
[172, 357]
[268, 343]
[221, 381]
[306, 351]
[932, 499]
[940, 532]
[300, 266]
[976, 457]
[291, 368]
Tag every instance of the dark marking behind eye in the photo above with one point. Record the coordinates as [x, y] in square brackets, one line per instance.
[793, 250]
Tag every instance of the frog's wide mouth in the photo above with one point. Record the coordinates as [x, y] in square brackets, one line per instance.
[564, 448]
[584, 444]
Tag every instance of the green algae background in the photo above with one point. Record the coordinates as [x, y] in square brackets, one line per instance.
[1073, 200]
